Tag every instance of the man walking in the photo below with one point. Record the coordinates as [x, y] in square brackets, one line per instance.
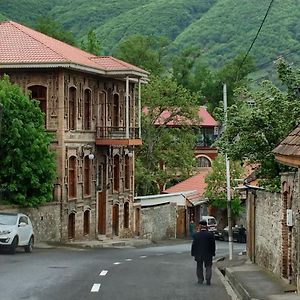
[203, 250]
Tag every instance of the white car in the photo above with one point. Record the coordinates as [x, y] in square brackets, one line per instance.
[16, 231]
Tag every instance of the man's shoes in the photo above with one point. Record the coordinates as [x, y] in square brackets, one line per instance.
[200, 281]
[208, 282]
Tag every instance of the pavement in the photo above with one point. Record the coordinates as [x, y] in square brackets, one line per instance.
[247, 280]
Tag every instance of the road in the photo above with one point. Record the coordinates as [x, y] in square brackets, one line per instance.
[159, 272]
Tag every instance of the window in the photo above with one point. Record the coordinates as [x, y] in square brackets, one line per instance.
[87, 110]
[116, 111]
[39, 93]
[116, 172]
[127, 172]
[86, 222]
[72, 177]
[72, 108]
[87, 176]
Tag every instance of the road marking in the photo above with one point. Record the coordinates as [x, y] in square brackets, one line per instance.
[95, 287]
[103, 273]
[143, 256]
[159, 254]
[117, 263]
[128, 259]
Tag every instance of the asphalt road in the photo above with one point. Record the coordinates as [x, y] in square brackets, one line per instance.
[161, 272]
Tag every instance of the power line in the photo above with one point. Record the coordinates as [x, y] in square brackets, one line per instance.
[259, 29]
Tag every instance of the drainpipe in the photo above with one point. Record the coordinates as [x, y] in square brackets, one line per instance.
[139, 111]
[127, 107]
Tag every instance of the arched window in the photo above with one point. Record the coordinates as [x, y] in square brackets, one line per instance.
[126, 215]
[39, 93]
[127, 172]
[203, 162]
[72, 108]
[116, 112]
[72, 184]
[87, 176]
[86, 222]
[116, 172]
[87, 110]
[71, 226]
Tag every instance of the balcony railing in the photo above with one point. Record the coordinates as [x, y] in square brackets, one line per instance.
[116, 133]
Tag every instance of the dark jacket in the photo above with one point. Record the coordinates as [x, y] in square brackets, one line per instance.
[203, 245]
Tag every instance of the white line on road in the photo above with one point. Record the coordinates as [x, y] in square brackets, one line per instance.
[103, 273]
[117, 263]
[143, 256]
[95, 287]
[128, 259]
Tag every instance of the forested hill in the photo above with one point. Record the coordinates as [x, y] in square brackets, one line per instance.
[221, 28]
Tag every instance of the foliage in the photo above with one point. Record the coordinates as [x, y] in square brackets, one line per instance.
[162, 145]
[27, 165]
[91, 44]
[143, 51]
[253, 131]
[216, 190]
[220, 28]
[52, 28]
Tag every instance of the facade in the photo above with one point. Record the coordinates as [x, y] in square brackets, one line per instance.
[92, 106]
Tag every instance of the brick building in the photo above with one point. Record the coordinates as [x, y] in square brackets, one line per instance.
[92, 106]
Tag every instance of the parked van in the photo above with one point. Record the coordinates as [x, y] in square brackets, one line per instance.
[211, 224]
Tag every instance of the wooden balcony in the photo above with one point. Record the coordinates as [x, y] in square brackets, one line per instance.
[117, 136]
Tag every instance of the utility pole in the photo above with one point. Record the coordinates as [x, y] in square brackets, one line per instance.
[230, 240]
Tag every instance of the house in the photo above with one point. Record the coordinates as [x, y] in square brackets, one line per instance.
[92, 105]
[206, 130]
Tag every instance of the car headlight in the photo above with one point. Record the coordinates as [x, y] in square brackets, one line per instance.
[2, 232]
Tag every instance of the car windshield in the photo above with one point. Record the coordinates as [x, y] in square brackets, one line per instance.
[211, 222]
[8, 219]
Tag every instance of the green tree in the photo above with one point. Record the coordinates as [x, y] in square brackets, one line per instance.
[166, 153]
[143, 51]
[216, 190]
[27, 165]
[260, 119]
[91, 44]
[50, 27]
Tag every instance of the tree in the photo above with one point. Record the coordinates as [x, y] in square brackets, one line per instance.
[27, 165]
[91, 45]
[260, 119]
[50, 27]
[216, 189]
[143, 51]
[166, 153]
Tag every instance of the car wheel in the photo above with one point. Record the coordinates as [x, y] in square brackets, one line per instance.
[28, 248]
[14, 245]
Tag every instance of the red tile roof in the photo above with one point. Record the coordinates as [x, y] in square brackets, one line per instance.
[25, 46]
[206, 120]
[195, 183]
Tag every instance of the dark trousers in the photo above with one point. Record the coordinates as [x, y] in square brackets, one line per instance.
[207, 262]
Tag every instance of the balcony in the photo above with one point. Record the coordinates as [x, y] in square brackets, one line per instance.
[117, 136]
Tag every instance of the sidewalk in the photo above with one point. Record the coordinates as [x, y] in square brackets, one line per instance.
[250, 282]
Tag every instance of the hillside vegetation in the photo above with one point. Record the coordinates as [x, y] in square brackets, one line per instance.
[220, 28]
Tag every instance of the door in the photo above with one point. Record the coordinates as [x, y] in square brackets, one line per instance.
[115, 219]
[101, 213]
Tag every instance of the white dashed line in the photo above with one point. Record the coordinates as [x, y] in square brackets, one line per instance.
[159, 254]
[103, 273]
[128, 259]
[117, 263]
[143, 256]
[95, 287]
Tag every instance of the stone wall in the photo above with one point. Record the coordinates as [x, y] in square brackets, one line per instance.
[267, 231]
[159, 222]
[45, 220]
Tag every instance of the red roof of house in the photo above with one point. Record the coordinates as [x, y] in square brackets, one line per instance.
[21, 45]
[195, 183]
[206, 120]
